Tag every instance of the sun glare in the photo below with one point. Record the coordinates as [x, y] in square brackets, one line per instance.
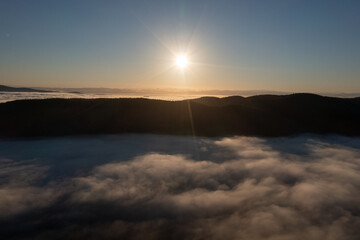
[181, 61]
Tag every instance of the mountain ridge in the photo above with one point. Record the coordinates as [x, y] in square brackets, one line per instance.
[4, 88]
[262, 115]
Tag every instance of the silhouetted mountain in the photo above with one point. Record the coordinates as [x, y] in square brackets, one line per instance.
[214, 101]
[4, 88]
[263, 115]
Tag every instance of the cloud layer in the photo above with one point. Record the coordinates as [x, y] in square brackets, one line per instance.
[85, 93]
[231, 188]
[164, 94]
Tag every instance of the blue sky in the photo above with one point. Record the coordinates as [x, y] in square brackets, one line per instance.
[285, 45]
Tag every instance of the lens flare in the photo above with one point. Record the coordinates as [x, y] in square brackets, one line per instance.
[181, 61]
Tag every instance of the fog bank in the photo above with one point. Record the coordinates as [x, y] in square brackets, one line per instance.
[160, 187]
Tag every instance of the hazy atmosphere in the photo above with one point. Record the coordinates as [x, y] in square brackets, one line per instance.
[180, 120]
[278, 45]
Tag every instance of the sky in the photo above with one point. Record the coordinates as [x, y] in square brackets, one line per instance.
[282, 45]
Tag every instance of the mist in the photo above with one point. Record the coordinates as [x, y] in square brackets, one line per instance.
[163, 187]
[163, 94]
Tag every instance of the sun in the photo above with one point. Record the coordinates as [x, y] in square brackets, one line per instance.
[181, 61]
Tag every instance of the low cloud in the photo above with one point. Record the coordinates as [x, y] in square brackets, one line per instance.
[285, 188]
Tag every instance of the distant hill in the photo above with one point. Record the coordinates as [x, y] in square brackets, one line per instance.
[263, 115]
[4, 88]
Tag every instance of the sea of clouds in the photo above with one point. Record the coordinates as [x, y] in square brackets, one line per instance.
[12, 96]
[154, 94]
[163, 187]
